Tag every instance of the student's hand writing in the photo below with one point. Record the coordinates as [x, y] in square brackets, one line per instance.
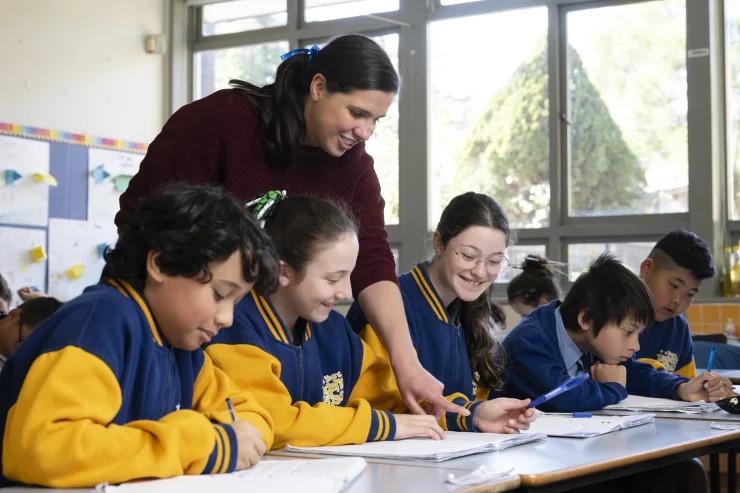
[28, 293]
[601, 372]
[708, 386]
[249, 441]
[503, 415]
[416, 425]
[417, 384]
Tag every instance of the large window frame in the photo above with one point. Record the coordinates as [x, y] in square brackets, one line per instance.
[707, 198]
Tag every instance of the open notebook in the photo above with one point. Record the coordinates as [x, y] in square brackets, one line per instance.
[275, 476]
[559, 425]
[654, 405]
[457, 444]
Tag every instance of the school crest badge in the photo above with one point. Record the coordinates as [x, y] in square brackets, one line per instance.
[668, 359]
[333, 389]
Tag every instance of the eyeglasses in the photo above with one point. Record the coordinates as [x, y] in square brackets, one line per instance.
[494, 265]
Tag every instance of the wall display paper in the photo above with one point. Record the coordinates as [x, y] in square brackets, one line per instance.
[17, 263]
[75, 255]
[108, 175]
[24, 181]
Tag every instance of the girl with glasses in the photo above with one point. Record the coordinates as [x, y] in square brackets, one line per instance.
[449, 307]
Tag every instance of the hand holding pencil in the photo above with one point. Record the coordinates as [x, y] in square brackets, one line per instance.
[248, 438]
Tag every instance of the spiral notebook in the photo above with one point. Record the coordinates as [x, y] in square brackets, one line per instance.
[457, 444]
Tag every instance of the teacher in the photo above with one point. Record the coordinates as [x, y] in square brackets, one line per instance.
[304, 133]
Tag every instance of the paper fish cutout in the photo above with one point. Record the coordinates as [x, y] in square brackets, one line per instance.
[75, 271]
[37, 254]
[120, 182]
[99, 174]
[12, 176]
[101, 249]
[45, 178]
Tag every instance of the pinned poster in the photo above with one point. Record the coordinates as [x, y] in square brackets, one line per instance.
[74, 255]
[109, 173]
[24, 192]
[17, 263]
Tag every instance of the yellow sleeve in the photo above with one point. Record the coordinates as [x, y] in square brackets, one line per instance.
[213, 386]
[688, 370]
[58, 432]
[299, 423]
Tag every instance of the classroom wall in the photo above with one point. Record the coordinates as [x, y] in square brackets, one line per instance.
[80, 66]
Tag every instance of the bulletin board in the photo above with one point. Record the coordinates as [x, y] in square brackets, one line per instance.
[58, 196]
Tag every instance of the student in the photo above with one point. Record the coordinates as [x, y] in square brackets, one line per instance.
[321, 384]
[304, 133]
[594, 330]
[113, 386]
[534, 286]
[448, 300]
[673, 271]
[18, 323]
[6, 296]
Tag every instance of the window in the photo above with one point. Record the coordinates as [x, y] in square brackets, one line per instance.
[324, 10]
[252, 63]
[488, 114]
[242, 15]
[628, 151]
[732, 50]
[516, 255]
[631, 254]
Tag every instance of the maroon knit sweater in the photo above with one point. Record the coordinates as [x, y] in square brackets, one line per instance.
[217, 140]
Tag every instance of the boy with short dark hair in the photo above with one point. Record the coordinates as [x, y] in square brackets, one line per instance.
[114, 386]
[594, 330]
[19, 322]
[673, 271]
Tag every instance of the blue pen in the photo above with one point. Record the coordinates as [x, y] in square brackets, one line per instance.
[711, 358]
[567, 385]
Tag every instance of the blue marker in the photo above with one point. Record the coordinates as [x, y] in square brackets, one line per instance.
[711, 358]
[582, 415]
[567, 385]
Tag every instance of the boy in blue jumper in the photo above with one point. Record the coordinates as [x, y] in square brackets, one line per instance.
[114, 386]
[673, 271]
[594, 330]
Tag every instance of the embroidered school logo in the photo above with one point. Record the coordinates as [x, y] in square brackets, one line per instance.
[476, 378]
[668, 359]
[333, 387]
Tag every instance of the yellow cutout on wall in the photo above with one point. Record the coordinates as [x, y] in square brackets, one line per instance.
[45, 178]
[37, 254]
[75, 272]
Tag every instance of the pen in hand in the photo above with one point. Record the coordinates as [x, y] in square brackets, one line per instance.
[230, 406]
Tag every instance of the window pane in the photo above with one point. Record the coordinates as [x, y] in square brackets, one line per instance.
[628, 151]
[253, 63]
[456, 2]
[732, 32]
[488, 115]
[242, 15]
[325, 10]
[516, 255]
[383, 145]
[630, 254]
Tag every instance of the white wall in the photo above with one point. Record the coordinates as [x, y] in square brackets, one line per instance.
[80, 66]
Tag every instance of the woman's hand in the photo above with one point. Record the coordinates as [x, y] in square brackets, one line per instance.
[503, 415]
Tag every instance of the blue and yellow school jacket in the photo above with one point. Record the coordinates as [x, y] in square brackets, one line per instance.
[439, 341]
[95, 394]
[328, 389]
[536, 366]
[667, 346]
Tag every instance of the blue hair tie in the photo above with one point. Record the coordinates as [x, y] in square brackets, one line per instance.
[304, 51]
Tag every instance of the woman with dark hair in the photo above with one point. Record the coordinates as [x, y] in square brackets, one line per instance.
[304, 133]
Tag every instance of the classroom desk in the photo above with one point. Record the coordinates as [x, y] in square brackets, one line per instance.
[379, 477]
[558, 464]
